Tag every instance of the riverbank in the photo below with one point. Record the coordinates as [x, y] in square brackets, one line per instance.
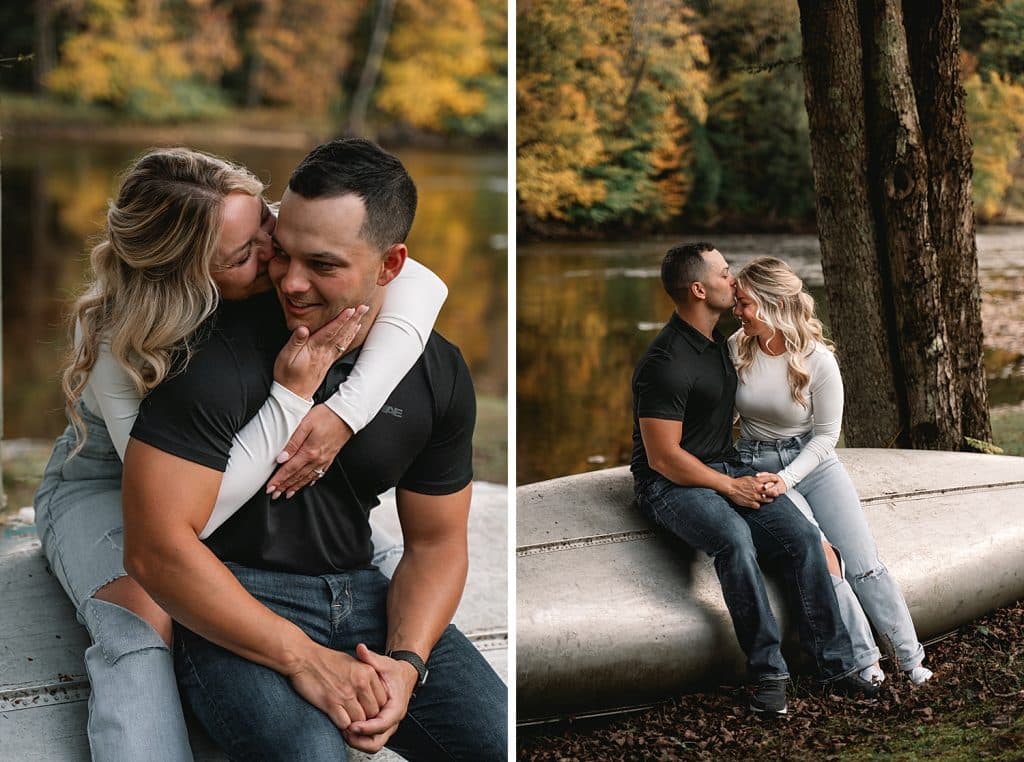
[970, 710]
[49, 119]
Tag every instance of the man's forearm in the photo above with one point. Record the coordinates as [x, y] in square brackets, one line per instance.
[164, 554]
[424, 594]
[198, 591]
[687, 470]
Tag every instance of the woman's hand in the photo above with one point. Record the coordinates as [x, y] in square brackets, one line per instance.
[772, 485]
[310, 451]
[304, 361]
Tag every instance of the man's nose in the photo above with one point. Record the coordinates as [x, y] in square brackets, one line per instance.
[294, 280]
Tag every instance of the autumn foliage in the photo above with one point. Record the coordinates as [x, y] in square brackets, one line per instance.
[635, 115]
[442, 72]
[606, 92]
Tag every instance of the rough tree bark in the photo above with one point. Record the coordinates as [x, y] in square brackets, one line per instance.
[892, 173]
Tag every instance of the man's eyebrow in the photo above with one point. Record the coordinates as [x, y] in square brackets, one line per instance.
[324, 256]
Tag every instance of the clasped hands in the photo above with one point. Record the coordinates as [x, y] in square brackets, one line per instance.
[755, 491]
[365, 697]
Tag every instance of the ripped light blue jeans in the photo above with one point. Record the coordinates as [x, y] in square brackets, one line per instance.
[134, 709]
[832, 500]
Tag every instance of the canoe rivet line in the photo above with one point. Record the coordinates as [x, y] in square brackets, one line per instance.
[44, 695]
[585, 542]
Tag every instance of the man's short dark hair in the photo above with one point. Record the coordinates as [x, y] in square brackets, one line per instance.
[363, 168]
[682, 266]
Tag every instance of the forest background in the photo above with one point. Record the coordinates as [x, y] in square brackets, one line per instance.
[690, 115]
[329, 67]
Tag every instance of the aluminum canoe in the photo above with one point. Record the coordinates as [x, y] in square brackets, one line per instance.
[611, 614]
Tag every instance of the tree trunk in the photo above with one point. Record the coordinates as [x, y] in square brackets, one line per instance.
[933, 43]
[833, 77]
[45, 43]
[371, 68]
[891, 157]
[267, 19]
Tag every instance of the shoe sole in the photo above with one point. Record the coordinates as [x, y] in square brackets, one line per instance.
[773, 712]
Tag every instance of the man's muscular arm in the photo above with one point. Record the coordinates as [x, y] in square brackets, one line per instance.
[422, 598]
[661, 439]
[167, 501]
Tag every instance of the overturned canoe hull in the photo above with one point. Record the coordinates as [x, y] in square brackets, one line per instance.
[43, 687]
[611, 614]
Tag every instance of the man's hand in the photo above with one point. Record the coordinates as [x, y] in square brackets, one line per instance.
[347, 690]
[400, 679]
[748, 491]
[771, 484]
[304, 361]
[310, 451]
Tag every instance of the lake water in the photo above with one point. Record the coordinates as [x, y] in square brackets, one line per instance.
[586, 312]
[54, 200]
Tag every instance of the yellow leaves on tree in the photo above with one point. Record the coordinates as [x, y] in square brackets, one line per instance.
[127, 50]
[557, 140]
[303, 47]
[605, 93]
[995, 108]
[431, 66]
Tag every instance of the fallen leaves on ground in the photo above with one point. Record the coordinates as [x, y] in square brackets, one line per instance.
[975, 699]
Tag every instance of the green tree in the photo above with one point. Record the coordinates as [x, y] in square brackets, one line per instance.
[1002, 46]
[756, 170]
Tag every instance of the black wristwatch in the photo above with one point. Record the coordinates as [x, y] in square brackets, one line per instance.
[414, 659]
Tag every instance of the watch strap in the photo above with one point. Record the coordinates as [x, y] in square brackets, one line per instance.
[414, 659]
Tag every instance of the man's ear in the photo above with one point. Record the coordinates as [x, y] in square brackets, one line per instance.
[698, 290]
[392, 264]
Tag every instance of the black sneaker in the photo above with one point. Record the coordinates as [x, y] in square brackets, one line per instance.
[854, 685]
[769, 698]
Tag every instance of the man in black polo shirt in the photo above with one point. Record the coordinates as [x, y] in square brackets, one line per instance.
[689, 480]
[291, 640]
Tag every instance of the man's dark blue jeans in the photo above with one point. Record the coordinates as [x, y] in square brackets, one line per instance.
[253, 712]
[735, 537]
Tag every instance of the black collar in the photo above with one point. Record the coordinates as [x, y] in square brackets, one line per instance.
[695, 338]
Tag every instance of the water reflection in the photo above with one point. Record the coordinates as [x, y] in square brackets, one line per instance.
[54, 199]
[587, 311]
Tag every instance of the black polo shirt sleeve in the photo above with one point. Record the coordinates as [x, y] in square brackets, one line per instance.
[195, 412]
[445, 465]
[662, 388]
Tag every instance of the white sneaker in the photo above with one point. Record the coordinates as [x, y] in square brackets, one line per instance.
[919, 675]
[873, 674]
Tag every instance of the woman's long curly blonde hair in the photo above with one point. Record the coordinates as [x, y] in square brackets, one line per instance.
[783, 305]
[151, 285]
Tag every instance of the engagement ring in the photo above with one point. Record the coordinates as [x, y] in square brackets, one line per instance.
[319, 472]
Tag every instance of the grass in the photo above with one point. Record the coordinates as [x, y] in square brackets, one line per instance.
[490, 441]
[1008, 429]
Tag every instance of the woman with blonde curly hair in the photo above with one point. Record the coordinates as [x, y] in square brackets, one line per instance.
[790, 403]
[187, 235]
